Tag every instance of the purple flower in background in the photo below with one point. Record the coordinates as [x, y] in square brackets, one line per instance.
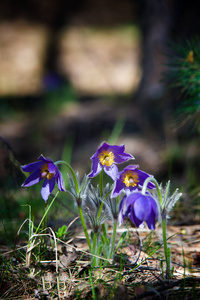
[52, 81]
[106, 158]
[131, 178]
[139, 208]
[47, 170]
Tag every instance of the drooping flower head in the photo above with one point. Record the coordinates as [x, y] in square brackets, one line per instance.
[139, 208]
[47, 170]
[130, 179]
[106, 158]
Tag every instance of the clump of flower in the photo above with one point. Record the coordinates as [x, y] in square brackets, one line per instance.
[139, 204]
[46, 170]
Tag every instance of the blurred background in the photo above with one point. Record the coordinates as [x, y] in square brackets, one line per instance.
[76, 73]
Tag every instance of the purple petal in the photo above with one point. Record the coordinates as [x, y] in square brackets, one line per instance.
[104, 146]
[47, 188]
[111, 171]
[34, 178]
[142, 208]
[154, 207]
[122, 213]
[120, 218]
[131, 168]
[151, 220]
[134, 219]
[142, 177]
[96, 168]
[32, 167]
[120, 155]
[118, 187]
[154, 214]
[60, 182]
[129, 190]
[45, 159]
[52, 168]
[131, 199]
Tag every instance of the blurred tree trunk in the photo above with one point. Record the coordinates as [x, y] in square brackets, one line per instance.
[155, 25]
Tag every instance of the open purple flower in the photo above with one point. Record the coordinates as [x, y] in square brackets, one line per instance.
[139, 208]
[130, 179]
[106, 158]
[47, 170]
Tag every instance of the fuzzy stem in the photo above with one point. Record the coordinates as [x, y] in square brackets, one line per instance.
[167, 256]
[94, 249]
[104, 232]
[84, 226]
[113, 239]
[163, 218]
[79, 205]
[152, 179]
[46, 209]
[101, 206]
[72, 171]
[101, 183]
[102, 225]
[100, 210]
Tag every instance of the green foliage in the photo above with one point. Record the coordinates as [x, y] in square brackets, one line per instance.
[62, 231]
[185, 77]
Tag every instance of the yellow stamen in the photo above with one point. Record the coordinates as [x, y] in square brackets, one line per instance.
[106, 158]
[130, 178]
[45, 172]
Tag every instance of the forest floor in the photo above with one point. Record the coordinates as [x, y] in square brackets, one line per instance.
[135, 273]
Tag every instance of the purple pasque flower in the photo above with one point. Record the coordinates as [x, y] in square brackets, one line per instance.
[130, 179]
[106, 158]
[47, 170]
[139, 208]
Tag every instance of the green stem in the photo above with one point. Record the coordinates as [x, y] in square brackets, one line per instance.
[164, 227]
[152, 179]
[101, 206]
[113, 239]
[72, 171]
[94, 249]
[101, 183]
[46, 212]
[167, 254]
[46, 209]
[102, 225]
[79, 206]
[84, 226]
[104, 232]
[29, 224]
[100, 210]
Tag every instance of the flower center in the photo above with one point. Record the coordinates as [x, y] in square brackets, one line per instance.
[130, 178]
[45, 172]
[106, 158]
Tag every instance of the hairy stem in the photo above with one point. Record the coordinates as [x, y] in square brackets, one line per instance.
[72, 171]
[94, 248]
[84, 226]
[113, 239]
[167, 254]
